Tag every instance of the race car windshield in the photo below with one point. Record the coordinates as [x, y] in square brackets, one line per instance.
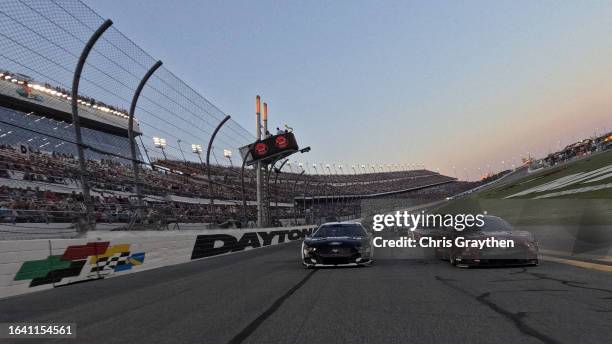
[492, 224]
[339, 231]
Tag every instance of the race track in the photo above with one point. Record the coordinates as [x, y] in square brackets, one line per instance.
[265, 296]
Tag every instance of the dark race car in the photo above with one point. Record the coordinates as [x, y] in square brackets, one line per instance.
[524, 252]
[337, 243]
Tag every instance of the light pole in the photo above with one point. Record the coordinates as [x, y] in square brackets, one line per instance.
[228, 154]
[161, 144]
[330, 186]
[181, 149]
[197, 149]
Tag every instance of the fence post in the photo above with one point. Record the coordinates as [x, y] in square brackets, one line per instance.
[75, 115]
[131, 135]
[210, 184]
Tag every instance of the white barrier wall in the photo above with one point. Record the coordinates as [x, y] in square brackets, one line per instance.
[32, 265]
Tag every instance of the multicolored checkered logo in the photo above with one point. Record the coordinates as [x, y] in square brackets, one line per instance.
[103, 259]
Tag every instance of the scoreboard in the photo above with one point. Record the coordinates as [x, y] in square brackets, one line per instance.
[270, 149]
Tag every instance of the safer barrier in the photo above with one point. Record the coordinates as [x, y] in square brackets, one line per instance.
[32, 265]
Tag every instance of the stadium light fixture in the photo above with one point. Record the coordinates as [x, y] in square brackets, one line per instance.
[196, 149]
[228, 154]
[161, 144]
[315, 168]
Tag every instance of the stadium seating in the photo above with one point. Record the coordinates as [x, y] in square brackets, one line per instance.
[41, 187]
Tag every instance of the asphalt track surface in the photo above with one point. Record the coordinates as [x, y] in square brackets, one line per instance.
[265, 296]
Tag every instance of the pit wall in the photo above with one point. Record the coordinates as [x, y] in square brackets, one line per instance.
[33, 265]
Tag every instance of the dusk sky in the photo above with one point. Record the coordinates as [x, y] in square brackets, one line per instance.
[446, 84]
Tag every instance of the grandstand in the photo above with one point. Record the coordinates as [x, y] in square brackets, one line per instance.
[42, 186]
[576, 150]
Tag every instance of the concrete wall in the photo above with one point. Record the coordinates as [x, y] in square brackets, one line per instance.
[32, 265]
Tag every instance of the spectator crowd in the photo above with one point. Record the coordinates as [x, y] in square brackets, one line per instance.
[45, 187]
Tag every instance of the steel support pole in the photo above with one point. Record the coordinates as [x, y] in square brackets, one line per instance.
[131, 135]
[244, 201]
[146, 152]
[305, 188]
[75, 111]
[210, 183]
[277, 172]
[181, 149]
[260, 217]
[275, 180]
[267, 195]
[293, 193]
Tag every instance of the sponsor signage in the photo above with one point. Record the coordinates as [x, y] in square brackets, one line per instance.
[209, 245]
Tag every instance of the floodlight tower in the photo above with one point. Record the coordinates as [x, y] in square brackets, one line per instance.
[181, 149]
[228, 154]
[197, 149]
[161, 144]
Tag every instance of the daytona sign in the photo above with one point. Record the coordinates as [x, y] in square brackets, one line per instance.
[215, 244]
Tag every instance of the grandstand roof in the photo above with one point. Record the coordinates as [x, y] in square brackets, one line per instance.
[60, 109]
